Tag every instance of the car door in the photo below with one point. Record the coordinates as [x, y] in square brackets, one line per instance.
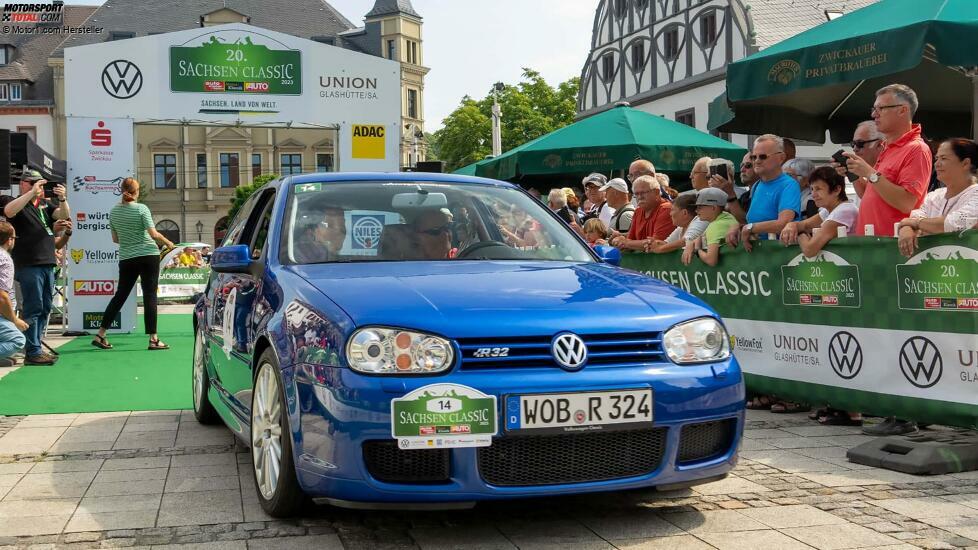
[219, 292]
[237, 317]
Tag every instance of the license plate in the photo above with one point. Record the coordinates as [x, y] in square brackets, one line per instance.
[584, 411]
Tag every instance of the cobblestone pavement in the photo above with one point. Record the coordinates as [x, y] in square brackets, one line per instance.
[158, 479]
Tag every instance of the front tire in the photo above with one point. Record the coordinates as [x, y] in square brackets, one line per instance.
[203, 409]
[271, 443]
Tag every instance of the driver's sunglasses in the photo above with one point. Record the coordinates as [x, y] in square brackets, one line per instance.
[436, 231]
[858, 144]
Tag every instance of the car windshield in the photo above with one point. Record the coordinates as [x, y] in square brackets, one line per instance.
[409, 221]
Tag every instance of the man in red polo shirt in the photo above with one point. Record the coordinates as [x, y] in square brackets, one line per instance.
[651, 220]
[898, 182]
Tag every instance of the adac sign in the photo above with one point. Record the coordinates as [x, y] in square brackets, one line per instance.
[251, 64]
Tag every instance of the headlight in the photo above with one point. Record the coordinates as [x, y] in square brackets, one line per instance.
[697, 341]
[393, 351]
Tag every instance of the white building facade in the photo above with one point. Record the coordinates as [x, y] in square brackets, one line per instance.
[670, 57]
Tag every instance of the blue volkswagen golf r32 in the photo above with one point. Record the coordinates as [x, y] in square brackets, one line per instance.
[420, 340]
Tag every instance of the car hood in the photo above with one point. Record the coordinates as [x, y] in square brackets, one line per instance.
[487, 298]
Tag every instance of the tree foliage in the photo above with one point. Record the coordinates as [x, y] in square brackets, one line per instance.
[242, 192]
[531, 108]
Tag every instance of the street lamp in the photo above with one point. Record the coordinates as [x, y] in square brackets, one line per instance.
[200, 230]
[497, 117]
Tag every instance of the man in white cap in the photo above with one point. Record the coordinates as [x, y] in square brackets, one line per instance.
[622, 209]
[596, 205]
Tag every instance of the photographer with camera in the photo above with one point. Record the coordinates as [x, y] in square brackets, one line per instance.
[33, 215]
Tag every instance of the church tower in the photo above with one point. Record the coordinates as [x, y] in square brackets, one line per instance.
[399, 29]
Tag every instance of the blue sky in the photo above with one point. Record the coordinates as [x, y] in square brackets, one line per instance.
[471, 44]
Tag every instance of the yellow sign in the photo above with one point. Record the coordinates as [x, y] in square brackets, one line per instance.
[369, 141]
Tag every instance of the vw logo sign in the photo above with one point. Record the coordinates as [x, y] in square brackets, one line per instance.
[569, 351]
[845, 355]
[921, 362]
[122, 79]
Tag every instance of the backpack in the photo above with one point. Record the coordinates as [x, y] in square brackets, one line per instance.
[629, 207]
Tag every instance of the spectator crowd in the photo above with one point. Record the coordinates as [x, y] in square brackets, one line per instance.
[884, 187]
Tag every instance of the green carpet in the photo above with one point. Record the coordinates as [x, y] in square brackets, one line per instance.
[126, 378]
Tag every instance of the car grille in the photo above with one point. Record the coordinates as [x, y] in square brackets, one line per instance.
[385, 462]
[706, 440]
[534, 351]
[571, 458]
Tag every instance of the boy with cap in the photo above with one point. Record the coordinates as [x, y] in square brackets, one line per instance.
[711, 206]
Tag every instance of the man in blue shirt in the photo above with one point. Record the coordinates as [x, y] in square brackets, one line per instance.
[776, 197]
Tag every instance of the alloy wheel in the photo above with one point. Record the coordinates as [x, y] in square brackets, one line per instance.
[198, 371]
[266, 431]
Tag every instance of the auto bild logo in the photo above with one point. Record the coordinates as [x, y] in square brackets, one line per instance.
[33, 13]
[569, 351]
[845, 355]
[94, 256]
[921, 362]
[783, 72]
[940, 278]
[122, 79]
[94, 288]
[825, 280]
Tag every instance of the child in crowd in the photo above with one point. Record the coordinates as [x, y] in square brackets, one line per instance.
[596, 232]
[711, 207]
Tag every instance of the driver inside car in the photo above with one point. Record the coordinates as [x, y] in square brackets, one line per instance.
[433, 234]
[322, 240]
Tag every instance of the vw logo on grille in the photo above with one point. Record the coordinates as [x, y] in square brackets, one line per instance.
[845, 355]
[122, 79]
[921, 362]
[569, 351]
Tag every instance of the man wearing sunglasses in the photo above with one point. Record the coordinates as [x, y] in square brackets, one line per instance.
[433, 233]
[867, 143]
[775, 198]
[899, 179]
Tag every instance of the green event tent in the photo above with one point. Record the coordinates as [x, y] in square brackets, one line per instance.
[467, 170]
[608, 141]
[826, 77]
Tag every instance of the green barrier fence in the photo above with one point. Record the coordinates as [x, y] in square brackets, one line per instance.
[859, 326]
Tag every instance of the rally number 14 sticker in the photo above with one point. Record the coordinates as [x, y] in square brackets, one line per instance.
[441, 416]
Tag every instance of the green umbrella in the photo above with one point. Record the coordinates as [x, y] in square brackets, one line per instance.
[826, 77]
[611, 140]
[467, 170]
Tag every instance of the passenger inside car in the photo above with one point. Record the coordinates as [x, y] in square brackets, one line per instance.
[433, 233]
[322, 238]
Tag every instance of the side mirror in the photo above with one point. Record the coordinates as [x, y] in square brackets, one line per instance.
[231, 259]
[608, 254]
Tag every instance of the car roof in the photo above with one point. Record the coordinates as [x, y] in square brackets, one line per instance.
[339, 177]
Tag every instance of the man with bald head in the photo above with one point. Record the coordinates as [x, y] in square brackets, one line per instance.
[651, 220]
[639, 168]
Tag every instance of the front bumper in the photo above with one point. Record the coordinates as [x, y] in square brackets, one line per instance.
[338, 411]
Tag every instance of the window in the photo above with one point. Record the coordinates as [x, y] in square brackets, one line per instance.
[15, 92]
[221, 229]
[638, 55]
[413, 103]
[201, 170]
[412, 52]
[261, 234]
[671, 38]
[4, 92]
[121, 35]
[291, 164]
[641, 5]
[719, 134]
[608, 67]
[3, 55]
[255, 165]
[391, 49]
[324, 162]
[687, 117]
[31, 132]
[230, 172]
[708, 28]
[169, 229]
[165, 172]
[621, 8]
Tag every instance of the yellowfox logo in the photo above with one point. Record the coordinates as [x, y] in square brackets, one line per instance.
[76, 254]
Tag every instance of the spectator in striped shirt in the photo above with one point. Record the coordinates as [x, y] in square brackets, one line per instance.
[133, 229]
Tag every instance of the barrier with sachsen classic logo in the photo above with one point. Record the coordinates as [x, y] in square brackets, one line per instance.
[858, 326]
